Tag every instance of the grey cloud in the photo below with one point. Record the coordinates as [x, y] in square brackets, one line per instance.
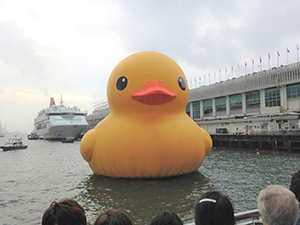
[209, 34]
[13, 46]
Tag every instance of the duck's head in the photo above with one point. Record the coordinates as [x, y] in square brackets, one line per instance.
[147, 81]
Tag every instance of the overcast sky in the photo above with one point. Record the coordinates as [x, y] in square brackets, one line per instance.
[70, 47]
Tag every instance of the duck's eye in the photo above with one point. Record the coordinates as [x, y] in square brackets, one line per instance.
[181, 83]
[122, 83]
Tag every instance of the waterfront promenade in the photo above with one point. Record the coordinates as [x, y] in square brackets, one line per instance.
[257, 142]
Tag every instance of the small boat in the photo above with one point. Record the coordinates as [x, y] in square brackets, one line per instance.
[33, 136]
[14, 144]
[68, 140]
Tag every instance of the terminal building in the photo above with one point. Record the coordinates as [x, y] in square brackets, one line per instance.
[265, 102]
[100, 111]
[262, 102]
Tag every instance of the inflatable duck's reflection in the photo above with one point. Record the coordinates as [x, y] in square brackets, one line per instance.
[147, 133]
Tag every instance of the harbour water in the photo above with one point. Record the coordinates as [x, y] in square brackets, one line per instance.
[46, 171]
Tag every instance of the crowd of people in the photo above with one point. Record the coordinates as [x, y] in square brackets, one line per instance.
[277, 205]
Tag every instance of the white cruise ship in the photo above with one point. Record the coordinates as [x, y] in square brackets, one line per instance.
[59, 121]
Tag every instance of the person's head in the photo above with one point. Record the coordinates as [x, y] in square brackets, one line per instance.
[113, 217]
[214, 208]
[166, 218]
[277, 205]
[65, 212]
[295, 184]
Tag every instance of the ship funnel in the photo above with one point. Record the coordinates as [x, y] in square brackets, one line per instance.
[52, 102]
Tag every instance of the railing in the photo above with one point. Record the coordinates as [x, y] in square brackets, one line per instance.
[245, 218]
[248, 217]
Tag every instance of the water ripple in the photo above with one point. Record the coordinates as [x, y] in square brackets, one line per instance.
[48, 171]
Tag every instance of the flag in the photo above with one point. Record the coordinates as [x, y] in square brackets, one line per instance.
[225, 69]
[231, 67]
[287, 50]
[245, 64]
[260, 59]
[52, 102]
[278, 53]
[252, 61]
[297, 47]
[269, 55]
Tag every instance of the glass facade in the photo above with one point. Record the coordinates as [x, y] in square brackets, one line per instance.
[207, 104]
[188, 109]
[221, 102]
[253, 97]
[272, 97]
[196, 110]
[235, 100]
[68, 120]
[293, 91]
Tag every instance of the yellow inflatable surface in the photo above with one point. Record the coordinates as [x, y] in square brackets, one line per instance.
[147, 133]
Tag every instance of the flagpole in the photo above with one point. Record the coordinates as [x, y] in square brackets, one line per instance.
[252, 65]
[297, 53]
[278, 54]
[287, 56]
[260, 61]
[269, 60]
[215, 76]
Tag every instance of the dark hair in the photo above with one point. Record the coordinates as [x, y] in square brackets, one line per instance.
[166, 218]
[65, 212]
[113, 217]
[214, 208]
[295, 184]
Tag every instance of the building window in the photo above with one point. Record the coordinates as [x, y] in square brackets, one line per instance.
[196, 110]
[272, 97]
[235, 100]
[207, 104]
[293, 91]
[221, 102]
[188, 109]
[253, 97]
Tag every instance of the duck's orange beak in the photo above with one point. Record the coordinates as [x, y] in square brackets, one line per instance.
[154, 93]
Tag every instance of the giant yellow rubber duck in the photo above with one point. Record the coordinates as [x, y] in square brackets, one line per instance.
[147, 133]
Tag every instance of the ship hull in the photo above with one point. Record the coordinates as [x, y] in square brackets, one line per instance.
[9, 148]
[59, 132]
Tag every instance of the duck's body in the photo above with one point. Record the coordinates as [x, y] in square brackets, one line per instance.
[146, 137]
